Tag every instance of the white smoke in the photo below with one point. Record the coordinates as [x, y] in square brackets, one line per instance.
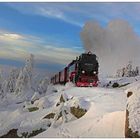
[115, 45]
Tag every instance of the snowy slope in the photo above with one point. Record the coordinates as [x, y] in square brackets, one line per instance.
[104, 118]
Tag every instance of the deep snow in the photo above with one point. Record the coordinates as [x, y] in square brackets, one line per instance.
[105, 116]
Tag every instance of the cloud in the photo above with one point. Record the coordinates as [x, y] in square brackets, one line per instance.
[10, 36]
[51, 12]
[46, 10]
[57, 13]
[57, 55]
[115, 45]
[78, 13]
[18, 46]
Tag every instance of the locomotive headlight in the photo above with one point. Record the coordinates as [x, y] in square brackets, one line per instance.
[83, 71]
[94, 72]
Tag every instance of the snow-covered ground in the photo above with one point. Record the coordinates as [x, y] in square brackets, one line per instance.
[133, 108]
[105, 110]
[105, 116]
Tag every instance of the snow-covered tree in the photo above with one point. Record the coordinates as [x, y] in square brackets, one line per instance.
[42, 88]
[11, 82]
[124, 71]
[118, 72]
[128, 71]
[24, 80]
[137, 70]
[1, 85]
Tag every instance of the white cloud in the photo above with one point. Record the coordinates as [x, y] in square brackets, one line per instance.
[78, 13]
[51, 12]
[18, 46]
[10, 36]
[47, 10]
[57, 55]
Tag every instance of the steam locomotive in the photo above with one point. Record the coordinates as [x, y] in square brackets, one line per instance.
[83, 71]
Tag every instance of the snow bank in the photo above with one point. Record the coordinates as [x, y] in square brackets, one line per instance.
[23, 121]
[133, 108]
[123, 81]
[108, 126]
[76, 102]
[43, 103]
[28, 126]
[105, 116]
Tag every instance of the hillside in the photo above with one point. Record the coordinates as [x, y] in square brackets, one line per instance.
[67, 111]
[104, 117]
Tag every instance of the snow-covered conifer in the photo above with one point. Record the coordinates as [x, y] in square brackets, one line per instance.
[11, 82]
[129, 69]
[137, 70]
[24, 80]
[1, 85]
[42, 88]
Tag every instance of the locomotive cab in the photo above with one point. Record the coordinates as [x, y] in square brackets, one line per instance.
[87, 72]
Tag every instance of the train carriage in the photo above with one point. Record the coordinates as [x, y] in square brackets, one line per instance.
[57, 78]
[63, 76]
[72, 70]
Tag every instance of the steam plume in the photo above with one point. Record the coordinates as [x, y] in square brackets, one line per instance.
[115, 45]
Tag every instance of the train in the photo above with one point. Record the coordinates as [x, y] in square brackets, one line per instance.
[83, 72]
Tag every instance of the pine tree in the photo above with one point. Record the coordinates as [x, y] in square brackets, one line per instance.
[24, 81]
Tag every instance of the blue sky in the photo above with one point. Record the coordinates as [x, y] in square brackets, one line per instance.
[51, 31]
